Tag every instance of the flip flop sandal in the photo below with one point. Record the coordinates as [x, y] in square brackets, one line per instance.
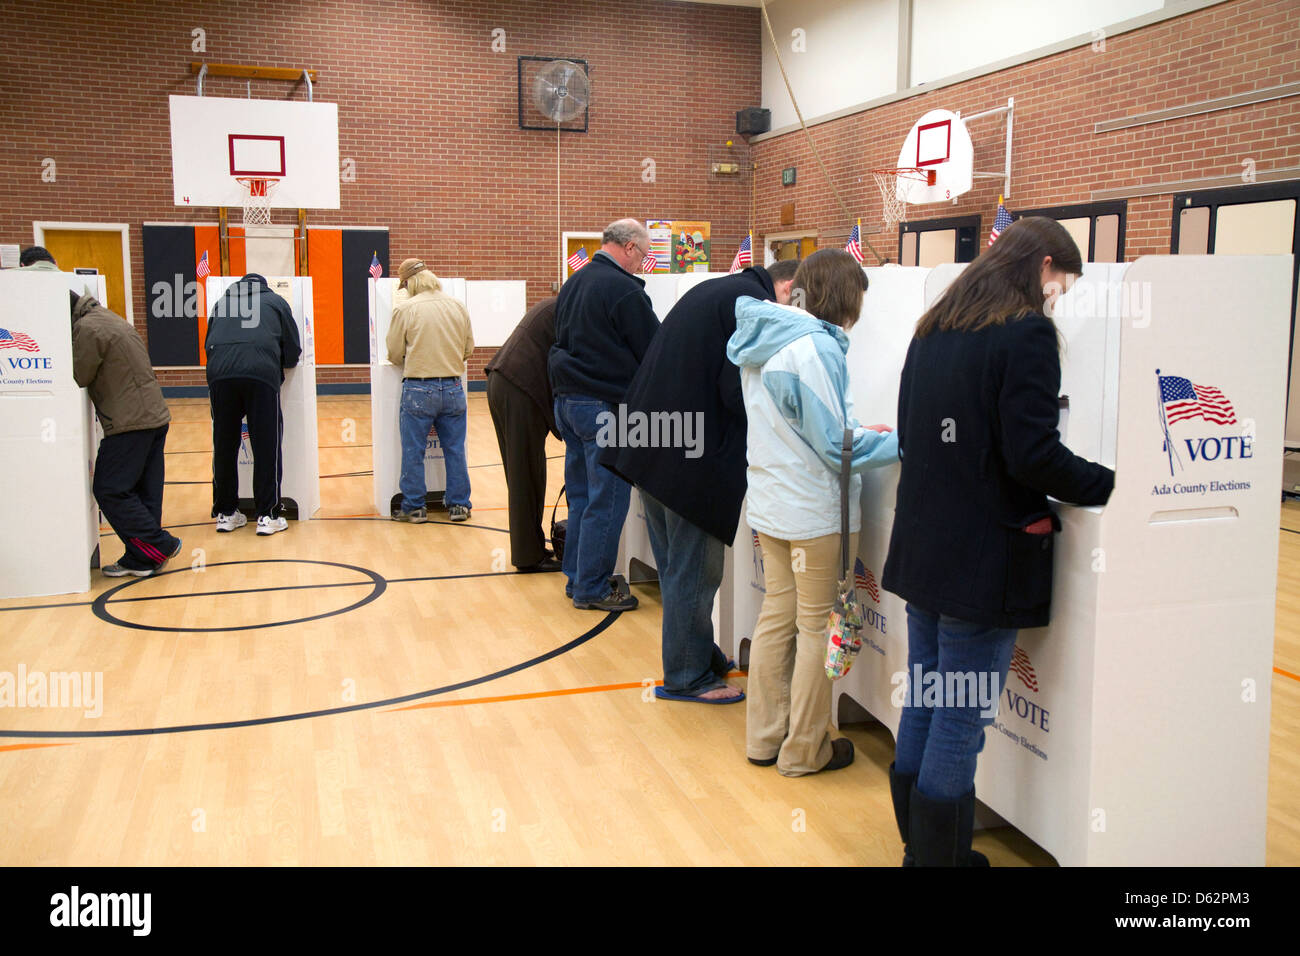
[689, 698]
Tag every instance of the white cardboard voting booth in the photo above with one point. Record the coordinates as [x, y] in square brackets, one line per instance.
[48, 440]
[386, 403]
[1158, 659]
[300, 455]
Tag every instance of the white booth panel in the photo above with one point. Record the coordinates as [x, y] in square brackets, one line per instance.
[495, 308]
[46, 442]
[300, 448]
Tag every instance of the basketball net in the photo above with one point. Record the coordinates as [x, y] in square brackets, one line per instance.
[895, 207]
[257, 199]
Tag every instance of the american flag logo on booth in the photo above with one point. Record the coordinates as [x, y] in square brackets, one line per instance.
[203, 270]
[1021, 667]
[1183, 400]
[863, 578]
[18, 340]
[376, 270]
[649, 262]
[579, 259]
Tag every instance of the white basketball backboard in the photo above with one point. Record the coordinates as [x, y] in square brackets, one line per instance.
[216, 140]
[940, 142]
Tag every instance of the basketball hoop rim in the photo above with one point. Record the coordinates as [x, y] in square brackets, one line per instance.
[258, 185]
[927, 176]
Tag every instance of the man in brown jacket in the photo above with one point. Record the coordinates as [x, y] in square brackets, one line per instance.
[431, 337]
[110, 360]
[523, 411]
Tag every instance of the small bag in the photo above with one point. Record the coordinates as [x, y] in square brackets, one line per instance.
[558, 529]
[844, 628]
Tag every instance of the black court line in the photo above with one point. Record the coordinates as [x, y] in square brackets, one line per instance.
[349, 474]
[462, 524]
[1292, 530]
[497, 464]
[276, 587]
[306, 715]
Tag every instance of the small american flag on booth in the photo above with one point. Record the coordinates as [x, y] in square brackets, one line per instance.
[863, 578]
[1000, 222]
[1183, 400]
[579, 259]
[376, 270]
[18, 340]
[744, 255]
[649, 262]
[854, 245]
[1021, 667]
[203, 270]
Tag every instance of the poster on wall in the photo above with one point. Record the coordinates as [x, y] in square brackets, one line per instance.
[691, 246]
[661, 244]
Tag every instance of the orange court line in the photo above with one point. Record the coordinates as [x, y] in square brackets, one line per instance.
[29, 746]
[536, 695]
[1294, 677]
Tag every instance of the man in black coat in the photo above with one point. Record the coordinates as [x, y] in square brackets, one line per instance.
[252, 338]
[523, 412]
[693, 489]
[604, 324]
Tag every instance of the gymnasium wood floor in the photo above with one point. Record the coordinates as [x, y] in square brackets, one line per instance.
[562, 762]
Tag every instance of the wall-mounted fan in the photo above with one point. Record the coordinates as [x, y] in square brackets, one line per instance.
[553, 94]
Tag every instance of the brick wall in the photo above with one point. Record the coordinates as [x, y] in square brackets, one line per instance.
[1057, 158]
[426, 109]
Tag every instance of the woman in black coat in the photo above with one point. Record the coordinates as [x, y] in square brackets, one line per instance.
[971, 549]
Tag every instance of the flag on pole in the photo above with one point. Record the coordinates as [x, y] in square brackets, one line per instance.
[744, 255]
[203, 270]
[579, 259]
[854, 246]
[1000, 222]
[649, 262]
[376, 270]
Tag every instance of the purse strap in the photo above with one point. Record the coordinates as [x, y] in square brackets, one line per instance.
[556, 506]
[846, 458]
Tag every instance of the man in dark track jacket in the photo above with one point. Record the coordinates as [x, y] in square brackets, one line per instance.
[523, 412]
[252, 338]
[603, 325]
[692, 494]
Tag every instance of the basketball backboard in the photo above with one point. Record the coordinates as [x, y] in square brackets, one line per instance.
[218, 140]
[940, 142]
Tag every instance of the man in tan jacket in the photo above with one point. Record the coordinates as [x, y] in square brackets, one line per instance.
[110, 361]
[430, 337]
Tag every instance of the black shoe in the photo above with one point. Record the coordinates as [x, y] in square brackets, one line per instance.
[548, 563]
[841, 755]
[762, 763]
[940, 830]
[613, 601]
[900, 789]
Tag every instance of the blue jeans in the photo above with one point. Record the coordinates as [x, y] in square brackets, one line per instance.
[439, 404]
[690, 569]
[598, 499]
[940, 742]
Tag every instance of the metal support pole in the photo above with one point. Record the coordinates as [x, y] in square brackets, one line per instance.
[306, 77]
[203, 71]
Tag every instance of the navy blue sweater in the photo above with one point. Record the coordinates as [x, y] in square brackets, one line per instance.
[603, 326]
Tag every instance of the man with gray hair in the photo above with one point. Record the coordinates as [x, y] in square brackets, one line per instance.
[603, 326]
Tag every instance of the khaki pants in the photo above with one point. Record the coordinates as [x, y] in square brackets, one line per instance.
[789, 694]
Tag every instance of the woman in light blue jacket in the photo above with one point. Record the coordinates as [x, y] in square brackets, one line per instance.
[796, 388]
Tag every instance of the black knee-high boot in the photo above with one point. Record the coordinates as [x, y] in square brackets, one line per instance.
[900, 789]
[941, 830]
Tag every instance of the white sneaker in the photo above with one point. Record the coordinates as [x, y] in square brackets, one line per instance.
[267, 525]
[231, 521]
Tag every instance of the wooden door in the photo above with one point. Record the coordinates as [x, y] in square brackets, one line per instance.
[91, 249]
